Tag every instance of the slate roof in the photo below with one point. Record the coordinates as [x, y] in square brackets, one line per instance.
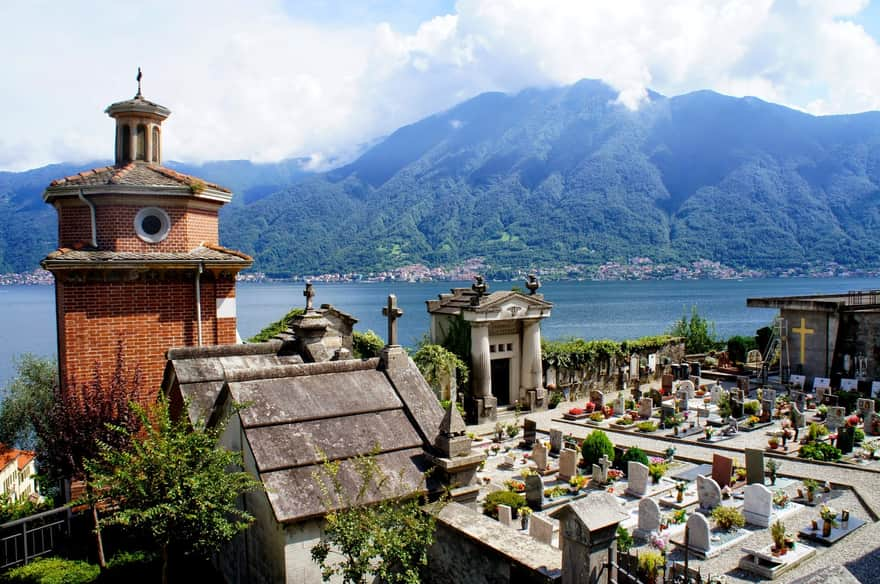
[298, 413]
[131, 174]
[460, 299]
[207, 254]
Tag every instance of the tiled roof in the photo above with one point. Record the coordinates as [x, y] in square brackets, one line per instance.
[10, 455]
[139, 174]
[206, 253]
[460, 299]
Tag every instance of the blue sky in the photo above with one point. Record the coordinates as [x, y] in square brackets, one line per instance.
[271, 79]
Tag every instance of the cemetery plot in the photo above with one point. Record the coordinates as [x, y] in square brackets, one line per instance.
[767, 564]
[817, 531]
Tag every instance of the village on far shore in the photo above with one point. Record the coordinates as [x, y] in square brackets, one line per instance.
[638, 462]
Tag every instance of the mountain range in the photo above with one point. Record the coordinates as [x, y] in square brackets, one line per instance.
[547, 177]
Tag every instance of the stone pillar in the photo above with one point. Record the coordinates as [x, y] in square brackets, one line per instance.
[482, 371]
[530, 364]
[148, 144]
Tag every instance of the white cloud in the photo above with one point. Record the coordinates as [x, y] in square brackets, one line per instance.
[247, 80]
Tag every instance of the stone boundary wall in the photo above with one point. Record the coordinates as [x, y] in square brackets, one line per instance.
[470, 547]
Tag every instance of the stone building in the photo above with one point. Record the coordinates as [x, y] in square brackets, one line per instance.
[307, 399]
[504, 330]
[138, 258]
[832, 336]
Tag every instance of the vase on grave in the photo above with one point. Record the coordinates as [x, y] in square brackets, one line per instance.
[826, 528]
[679, 497]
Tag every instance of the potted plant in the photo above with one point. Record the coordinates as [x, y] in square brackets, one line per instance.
[773, 442]
[810, 487]
[524, 514]
[710, 431]
[680, 488]
[651, 563]
[777, 532]
[829, 519]
[772, 469]
[657, 470]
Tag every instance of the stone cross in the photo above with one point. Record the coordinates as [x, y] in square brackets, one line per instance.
[392, 312]
[309, 293]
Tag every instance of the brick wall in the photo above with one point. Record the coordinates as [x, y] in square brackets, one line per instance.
[150, 316]
[116, 232]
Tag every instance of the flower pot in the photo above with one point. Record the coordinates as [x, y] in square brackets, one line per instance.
[524, 521]
[826, 528]
[679, 497]
[810, 496]
[772, 479]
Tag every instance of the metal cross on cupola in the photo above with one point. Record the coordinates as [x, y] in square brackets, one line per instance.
[392, 312]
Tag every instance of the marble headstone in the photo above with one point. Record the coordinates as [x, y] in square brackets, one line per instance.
[541, 529]
[555, 440]
[535, 492]
[698, 533]
[708, 493]
[688, 386]
[834, 419]
[758, 505]
[539, 456]
[722, 469]
[567, 464]
[620, 405]
[715, 393]
[634, 366]
[866, 408]
[649, 518]
[646, 407]
[505, 515]
[797, 380]
[682, 396]
[637, 479]
[754, 466]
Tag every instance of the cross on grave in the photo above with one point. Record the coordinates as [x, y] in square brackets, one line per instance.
[392, 312]
[309, 293]
[803, 331]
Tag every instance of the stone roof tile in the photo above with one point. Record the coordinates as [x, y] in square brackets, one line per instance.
[139, 174]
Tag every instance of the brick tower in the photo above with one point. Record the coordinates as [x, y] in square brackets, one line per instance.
[138, 257]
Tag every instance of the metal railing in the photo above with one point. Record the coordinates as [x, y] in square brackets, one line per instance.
[28, 538]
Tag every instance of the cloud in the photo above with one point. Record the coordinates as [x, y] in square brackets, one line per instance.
[251, 80]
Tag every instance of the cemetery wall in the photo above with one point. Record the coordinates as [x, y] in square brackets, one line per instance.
[470, 547]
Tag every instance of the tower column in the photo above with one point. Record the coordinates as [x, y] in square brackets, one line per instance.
[480, 360]
[530, 365]
[148, 155]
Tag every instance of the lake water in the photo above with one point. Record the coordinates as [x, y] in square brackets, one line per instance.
[592, 310]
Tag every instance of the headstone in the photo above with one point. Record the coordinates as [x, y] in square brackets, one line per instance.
[870, 424]
[634, 367]
[620, 404]
[567, 464]
[820, 394]
[509, 461]
[649, 518]
[535, 492]
[821, 382]
[875, 389]
[722, 469]
[708, 493]
[798, 381]
[555, 440]
[676, 371]
[798, 419]
[865, 408]
[696, 370]
[769, 394]
[682, 395]
[652, 362]
[697, 529]
[539, 456]
[685, 371]
[505, 515]
[849, 384]
[754, 466]
[646, 407]
[767, 407]
[744, 385]
[666, 382]
[530, 432]
[637, 479]
[757, 505]
[689, 387]
[715, 393]
[541, 529]
[846, 437]
[835, 417]
[598, 399]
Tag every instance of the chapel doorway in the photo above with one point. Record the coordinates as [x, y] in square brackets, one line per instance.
[501, 381]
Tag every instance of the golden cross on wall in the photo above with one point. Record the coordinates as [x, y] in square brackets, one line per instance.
[803, 331]
[393, 313]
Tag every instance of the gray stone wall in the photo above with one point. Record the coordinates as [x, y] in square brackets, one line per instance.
[472, 548]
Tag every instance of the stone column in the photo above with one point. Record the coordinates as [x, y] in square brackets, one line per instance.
[530, 365]
[148, 144]
[482, 373]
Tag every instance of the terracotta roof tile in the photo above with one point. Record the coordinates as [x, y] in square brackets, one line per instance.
[134, 174]
[213, 254]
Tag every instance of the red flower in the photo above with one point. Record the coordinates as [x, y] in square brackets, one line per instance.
[576, 411]
[852, 421]
[589, 407]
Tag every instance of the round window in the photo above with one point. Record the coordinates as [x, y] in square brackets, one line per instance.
[152, 224]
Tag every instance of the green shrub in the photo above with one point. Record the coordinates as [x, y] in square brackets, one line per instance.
[635, 454]
[366, 345]
[509, 498]
[624, 539]
[816, 431]
[275, 328]
[556, 398]
[646, 426]
[727, 517]
[859, 435]
[751, 407]
[650, 562]
[54, 571]
[738, 348]
[595, 446]
[819, 451]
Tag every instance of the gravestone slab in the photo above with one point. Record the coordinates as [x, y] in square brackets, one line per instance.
[715, 393]
[875, 389]
[798, 381]
[763, 563]
[652, 362]
[505, 515]
[736, 408]
[754, 466]
[865, 408]
[637, 479]
[835, 418]
[600, 471]
[757, 505]
[849, 385]
[598, 399]
[769, 394]
[620, 405]
[646, 407]
[698, 533]
[634, 367]
[846, 437]
[872, 423]
[649, 519]
[722, 469]
[567, 464]
[689, 387]
[530, 432]
[666, 382]
[535, 493]
[555, 440]
[691, 474]
[837, 533]
[539, 456]
[708, 493]
[798, 419]
[541, 529]
[682, 396]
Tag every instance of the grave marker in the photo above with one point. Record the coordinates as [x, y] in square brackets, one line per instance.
[505, 515]
[754, 466]
[646, 407]
[567, 464]
[846, 437]
[530, 432]
[541, 529]
[555, 440]
[708, 493]
[798, 419]
[698, 533]
[637, 479]
[849, 385]
[535, 492]
[834, 418]
[758, 505]
[797, 381]
[866, 408]
[649, 518]
[722, 469]
[539, 456]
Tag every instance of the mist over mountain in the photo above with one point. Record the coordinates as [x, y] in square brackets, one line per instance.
[547, 177]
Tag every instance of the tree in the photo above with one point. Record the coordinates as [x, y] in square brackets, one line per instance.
[388, 540]
[437, 364]
[172, 484]
[699, 333]
[273, 329]
[27, 396]
[80, 418]
[367, 345]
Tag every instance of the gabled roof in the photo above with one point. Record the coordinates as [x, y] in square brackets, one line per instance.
[208, 255]
[135, 176]
[299, 413]
[461, 301]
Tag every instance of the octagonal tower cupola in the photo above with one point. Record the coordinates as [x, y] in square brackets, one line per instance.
[138, 128]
